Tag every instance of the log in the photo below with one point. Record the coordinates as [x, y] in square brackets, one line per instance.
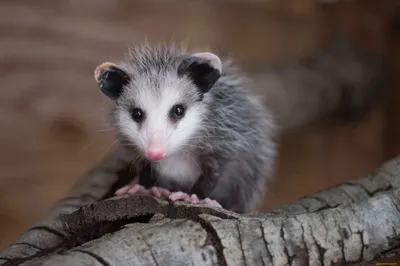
[355, 222]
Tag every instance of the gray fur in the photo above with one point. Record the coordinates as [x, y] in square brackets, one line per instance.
[235, 146]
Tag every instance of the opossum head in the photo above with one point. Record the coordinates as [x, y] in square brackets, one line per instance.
[159, 95]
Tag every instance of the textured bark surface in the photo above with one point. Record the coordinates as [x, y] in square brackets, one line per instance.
[355, 222]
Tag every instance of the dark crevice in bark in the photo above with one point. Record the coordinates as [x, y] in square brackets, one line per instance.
[285, 250]
[262, 261]
[96, 257]
[49, 230]
[318, 199]
[324, 208]
[370, 193]
[27, 244]
[389, 187]
[326, 205]
[321, 250]
[306, 259]
[150, 250]
[214, 239]
[341, 245]
[361, 235]
[265, 242]
[356, 184]
[395, 205]
[241, 244]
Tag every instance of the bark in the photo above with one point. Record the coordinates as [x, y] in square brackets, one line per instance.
[355, 222]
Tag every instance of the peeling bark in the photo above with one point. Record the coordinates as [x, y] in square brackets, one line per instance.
[352, 223]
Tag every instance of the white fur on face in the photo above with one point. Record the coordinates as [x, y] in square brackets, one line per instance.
[157, 126]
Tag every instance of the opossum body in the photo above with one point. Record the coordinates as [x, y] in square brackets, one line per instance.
[191, 125]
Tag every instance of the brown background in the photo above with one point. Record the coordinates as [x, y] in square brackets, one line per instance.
[52, 116]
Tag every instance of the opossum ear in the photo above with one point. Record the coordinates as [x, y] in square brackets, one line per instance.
[111, 79]
[203, 68]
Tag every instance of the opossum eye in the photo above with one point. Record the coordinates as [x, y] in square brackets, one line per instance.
[177, 112]
[137, 115]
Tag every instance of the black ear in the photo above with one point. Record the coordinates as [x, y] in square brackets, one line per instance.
[204, 69]
[111, 79]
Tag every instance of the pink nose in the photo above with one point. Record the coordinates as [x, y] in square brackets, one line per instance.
[155, 155]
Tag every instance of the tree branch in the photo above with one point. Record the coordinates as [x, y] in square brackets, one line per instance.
[351, 223]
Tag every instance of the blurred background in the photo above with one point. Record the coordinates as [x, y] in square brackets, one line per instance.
[53, 116]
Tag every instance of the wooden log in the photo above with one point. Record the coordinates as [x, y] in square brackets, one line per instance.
[355, 222]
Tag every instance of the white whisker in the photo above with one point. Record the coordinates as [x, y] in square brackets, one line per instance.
[85, 147]
[191, 158]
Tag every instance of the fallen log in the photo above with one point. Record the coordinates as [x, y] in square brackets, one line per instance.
[355, 222]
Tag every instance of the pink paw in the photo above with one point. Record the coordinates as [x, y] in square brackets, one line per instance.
[135, 188]
[124, 190]
[182, 196]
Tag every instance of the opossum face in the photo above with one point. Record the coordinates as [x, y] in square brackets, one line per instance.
[160, 112]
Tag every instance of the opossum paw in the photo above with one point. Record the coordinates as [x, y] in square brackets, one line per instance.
[139, 189]
[159, 192]
[208, 201]
[124, 190]
[182, 196]
[135, 188]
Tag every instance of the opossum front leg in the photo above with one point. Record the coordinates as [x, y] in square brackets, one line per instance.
[203, 186]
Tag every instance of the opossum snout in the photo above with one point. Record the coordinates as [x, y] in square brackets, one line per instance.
[155, 150]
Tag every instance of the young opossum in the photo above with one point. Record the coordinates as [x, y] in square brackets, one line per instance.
[191, 125]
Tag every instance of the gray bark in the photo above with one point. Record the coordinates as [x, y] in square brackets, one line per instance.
[355, 222]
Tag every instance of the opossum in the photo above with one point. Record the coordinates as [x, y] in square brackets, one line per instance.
[192, 126]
